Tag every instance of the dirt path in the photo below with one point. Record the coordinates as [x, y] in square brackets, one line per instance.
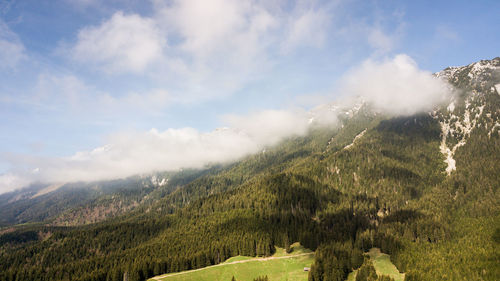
[234, 262]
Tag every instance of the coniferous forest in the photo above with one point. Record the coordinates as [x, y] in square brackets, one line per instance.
[339, 198]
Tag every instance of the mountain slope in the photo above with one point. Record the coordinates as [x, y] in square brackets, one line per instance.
[375, 181]
[82, 203]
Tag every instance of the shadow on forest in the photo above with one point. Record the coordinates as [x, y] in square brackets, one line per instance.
[295, 189]
[421, 126]
[403, 216]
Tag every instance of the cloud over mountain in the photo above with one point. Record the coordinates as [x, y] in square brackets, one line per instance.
[133, 153]
[394, 86]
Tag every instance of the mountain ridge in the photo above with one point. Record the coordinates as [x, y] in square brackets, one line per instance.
[390, 189]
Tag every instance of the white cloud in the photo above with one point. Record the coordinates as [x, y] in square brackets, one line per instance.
[133, 153]
[214, 47]
[307, 28]
[396, 86]
[206, 27]
[12, 50]
[124, 43]
[242, 28]
[224, 45]
[270, 126]
[11, 181]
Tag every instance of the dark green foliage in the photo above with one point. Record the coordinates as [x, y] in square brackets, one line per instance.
[412, 276]
[388, 190]
[286, 241]
[496, 235]
[367, 272]
[335, 261]
[261, 278]
[18, 237]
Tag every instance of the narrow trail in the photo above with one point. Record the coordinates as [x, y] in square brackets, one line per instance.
[234, 262]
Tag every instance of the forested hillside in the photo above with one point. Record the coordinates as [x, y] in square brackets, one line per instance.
[89, 202]
[422, 188]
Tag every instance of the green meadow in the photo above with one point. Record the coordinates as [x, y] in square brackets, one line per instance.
[382, 264]
[280, 267]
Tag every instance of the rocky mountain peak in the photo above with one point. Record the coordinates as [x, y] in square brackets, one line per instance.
[480, 76]
[475, 106]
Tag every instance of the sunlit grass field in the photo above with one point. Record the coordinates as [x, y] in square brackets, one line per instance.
[382, 264]
[280, 267]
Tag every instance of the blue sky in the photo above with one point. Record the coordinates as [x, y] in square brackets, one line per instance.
[79, 74]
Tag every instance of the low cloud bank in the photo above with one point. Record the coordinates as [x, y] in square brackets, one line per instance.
[393, 86]
[133, 153]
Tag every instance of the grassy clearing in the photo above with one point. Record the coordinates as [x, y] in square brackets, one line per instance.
[237, 258]
[281, 266]
[352, 276]
[382, 264]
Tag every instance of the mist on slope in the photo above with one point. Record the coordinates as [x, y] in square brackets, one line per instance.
[396, 86]
[393, 86]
